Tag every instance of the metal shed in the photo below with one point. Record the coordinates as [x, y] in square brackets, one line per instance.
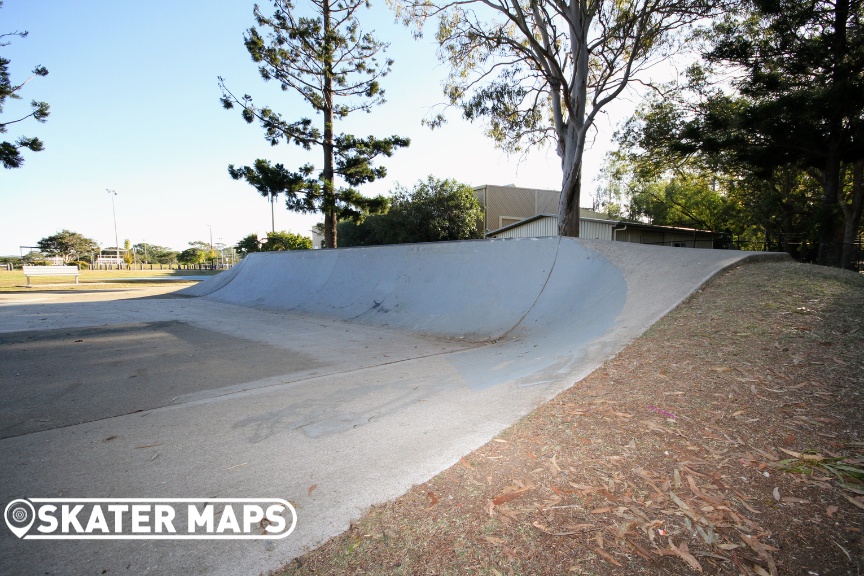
[597, 229]
[547, 225]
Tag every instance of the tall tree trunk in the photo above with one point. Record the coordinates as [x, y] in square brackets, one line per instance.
[827, 212]
[829, 252]
[852, 216]
[568, 207]
[571, 185]
[327, 175]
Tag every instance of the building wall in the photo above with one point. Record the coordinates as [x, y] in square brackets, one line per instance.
[505, 205]
[686, 239]
[545, 226]
[594, 230]
[548, 226]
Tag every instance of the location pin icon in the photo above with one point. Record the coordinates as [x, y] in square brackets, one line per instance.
[19, 517]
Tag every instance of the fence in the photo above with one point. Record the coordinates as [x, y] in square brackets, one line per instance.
[208, 266]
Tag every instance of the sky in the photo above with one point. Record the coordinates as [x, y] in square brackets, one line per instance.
[135, 109]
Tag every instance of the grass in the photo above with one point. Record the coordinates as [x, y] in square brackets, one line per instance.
[15, 281]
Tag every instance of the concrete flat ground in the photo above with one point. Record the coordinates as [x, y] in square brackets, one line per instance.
[334, 380]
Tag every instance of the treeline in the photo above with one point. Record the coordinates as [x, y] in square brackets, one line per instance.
[764, 139]
[433, 210]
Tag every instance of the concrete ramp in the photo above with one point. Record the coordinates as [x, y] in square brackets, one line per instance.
[478, 291]
[546, 304]
[335, 379]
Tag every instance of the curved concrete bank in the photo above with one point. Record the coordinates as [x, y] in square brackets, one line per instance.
[334, 379]
[546, 303]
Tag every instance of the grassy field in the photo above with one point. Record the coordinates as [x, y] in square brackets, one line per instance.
[15, 281]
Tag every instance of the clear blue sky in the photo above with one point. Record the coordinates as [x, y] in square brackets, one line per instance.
[135, 108]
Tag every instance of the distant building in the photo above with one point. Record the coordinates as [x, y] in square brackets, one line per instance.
[529, 212]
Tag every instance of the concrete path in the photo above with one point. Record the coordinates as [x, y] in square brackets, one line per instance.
[332, 379]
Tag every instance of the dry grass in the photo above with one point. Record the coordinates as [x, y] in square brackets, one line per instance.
[682, 454]
[15, 281]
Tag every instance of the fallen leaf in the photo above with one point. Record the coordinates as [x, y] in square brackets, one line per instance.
[685, 555]
[608, 557]
[149, 445]
[854, 501]
[505, 497]
[812, 457]
[494, 540]
[762, 550]
[433, 499]
[603, 510]
[311, 489]
[580, 529]
[777, 493]
[641, 551]
[789, 439]
[790, 452]
[831, 510]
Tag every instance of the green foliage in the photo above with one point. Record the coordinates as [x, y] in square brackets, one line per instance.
[656, 176]
[436, 210]
[197, 253]
[248, 245]
[374, 230]
[275, 241]
[152, 254]
[68, 245]
[15, 261]
[10, 152]
[433, 211]
[336, 68]
[789, 132]
[286, 241]
[192, 255]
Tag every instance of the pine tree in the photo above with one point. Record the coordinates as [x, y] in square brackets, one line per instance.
[335, 66]
[10, 152]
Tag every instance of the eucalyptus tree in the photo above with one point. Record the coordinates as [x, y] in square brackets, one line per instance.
[540, 71]
[321, 53]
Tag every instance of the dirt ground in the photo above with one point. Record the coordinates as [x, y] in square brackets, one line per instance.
[726, 440]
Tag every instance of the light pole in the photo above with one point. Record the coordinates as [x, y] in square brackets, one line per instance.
[112, 193]
[210, 255]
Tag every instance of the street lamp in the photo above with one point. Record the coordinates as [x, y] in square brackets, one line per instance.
[112, 193]
[210, 255]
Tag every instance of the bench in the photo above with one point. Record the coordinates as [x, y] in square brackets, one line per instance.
[51, 271]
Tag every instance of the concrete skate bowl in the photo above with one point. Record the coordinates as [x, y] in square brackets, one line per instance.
[536, 309]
